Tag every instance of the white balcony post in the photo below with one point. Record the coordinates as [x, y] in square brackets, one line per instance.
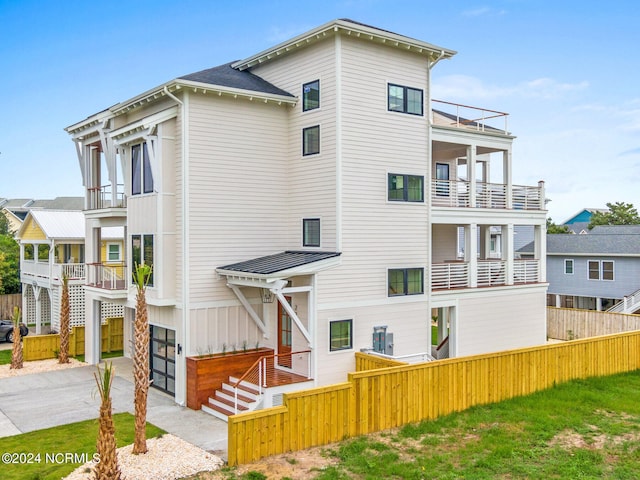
[508, 251]
[471, 171]
[540, 250]
[506, 172]
[471, 252]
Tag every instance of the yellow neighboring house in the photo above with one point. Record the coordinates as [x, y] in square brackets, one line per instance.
[52, 244]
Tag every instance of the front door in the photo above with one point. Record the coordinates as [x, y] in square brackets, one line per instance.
[163, 359]
[284, 335]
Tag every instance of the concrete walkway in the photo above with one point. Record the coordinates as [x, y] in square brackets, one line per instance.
[43, 400]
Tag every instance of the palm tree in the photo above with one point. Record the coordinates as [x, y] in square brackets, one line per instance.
[141, 277]
[63, 357]
[16, 354]
[107, 468]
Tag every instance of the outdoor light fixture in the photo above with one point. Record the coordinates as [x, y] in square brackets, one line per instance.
[267, 295]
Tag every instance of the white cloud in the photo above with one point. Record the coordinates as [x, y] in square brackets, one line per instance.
[483, 11]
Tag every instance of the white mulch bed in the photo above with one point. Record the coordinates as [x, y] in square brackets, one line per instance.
[168, 458]
[38, 366]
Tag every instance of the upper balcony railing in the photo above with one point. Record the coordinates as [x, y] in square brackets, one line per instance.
[102, 197]
[73, 271]
[490, 273]
[456, 193]
[468, 117]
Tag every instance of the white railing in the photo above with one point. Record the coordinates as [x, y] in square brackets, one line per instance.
[35, 269]
[491, 272]
[73, 271]
[491, 195]
[465, 116]
[109, 277]
[629, 304]
[455, 193]
[101, 197]
[526, 271]
[527, 198]
[409, 358]
[449, 275]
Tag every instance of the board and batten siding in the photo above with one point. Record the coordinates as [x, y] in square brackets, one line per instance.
[237, 185]
[500, 320]
[626, 277]
[312, 178]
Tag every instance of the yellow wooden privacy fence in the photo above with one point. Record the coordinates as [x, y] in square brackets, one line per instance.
[40, 347]
[388, 397]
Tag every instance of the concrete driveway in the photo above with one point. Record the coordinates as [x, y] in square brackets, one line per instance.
[43, 400]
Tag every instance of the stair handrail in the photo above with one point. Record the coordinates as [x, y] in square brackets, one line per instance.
[629, 301]
[262, 373]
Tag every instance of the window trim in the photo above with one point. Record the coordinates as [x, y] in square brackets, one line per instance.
[405, 101]
[405, 281]
[304, 140]
[601, 270]
[405, 190]
[110, 244]
[304, 85]
[145, 183]
[350, 337]
[305, 243]
[569, 261]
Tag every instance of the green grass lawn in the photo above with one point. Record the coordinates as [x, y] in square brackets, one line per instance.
[5, 357]
[587, 429]
[75, 438]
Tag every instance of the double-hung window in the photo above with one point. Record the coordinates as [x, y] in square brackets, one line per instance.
[113, 252]
[405, 188]
[141, 176]
[311, 232]
[600, 270]
[311, 140]
[405, 99]
[340, 335]
[142, 252]
[568, 266]
[405, 281]
[311, 96]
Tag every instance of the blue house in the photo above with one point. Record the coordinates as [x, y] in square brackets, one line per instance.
[579, 223]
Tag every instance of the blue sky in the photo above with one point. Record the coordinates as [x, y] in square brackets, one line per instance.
[566, 72]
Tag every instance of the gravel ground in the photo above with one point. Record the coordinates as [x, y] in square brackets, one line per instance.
[38, 366]
[168, 458]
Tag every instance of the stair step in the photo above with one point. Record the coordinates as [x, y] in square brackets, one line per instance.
[218, 412]
[244, 390]
[226, 403]
[230, 396]
[248, 386]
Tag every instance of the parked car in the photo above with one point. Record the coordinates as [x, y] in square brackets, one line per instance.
[6, 330]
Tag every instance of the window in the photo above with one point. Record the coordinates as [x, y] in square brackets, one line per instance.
[142, 252]
[311, 232]
[568, 267]
[311, 95]
[600, 270]
[340, 335]
[311, 140]
[28, 251]
[405, 99]
[405, 188]
[113, 252]
[43, 252]
[405, 281]
[141, 176]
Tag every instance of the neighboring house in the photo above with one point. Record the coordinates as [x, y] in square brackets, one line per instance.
[16, 209]
[595, 271]
[579, 223]
[52, 245]
[308, 198]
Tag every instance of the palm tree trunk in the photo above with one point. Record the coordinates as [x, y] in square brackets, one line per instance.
[63, 357]
[107, 468]
[16, 354]
[141, 372]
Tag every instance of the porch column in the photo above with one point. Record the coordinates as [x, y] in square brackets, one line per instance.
[443, 321]
[471, 171]
[598, 304]
[506, 172]
[36, 294]
[92, 331]
[471, 252]
[558, 301]
[508, 251]
[540, 250]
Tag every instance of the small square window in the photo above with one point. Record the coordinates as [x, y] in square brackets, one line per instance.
[405, 281]
[311, 140]
[405, 99]
[405, 188]
[311, 95]
[568, 267]
[340, 335]
[113, 252]
[311, 232]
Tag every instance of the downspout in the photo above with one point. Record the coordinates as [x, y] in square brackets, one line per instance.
[186, 341]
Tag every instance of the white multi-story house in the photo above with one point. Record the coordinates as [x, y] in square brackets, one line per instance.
[309, 198]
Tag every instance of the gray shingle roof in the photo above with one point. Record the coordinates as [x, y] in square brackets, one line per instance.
[605, 244]
[279, 262]
[225, 76]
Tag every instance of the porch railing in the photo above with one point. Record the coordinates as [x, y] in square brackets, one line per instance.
[476, 118]
[109, 277]
[491, 272]
[456, 193]
[262, 374]
[101, 197]
[526, 271]
[33, 268]
[449, 275]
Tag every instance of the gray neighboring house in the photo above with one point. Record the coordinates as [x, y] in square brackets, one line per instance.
[597, 271]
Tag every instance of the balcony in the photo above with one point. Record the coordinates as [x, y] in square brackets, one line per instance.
[456, 193]
[112, 276]
[103, 197]
[490, 273]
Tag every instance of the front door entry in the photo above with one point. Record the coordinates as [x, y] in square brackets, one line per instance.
[284, 335]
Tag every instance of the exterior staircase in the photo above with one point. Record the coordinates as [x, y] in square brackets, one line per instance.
[222, 403]
[629, 304]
